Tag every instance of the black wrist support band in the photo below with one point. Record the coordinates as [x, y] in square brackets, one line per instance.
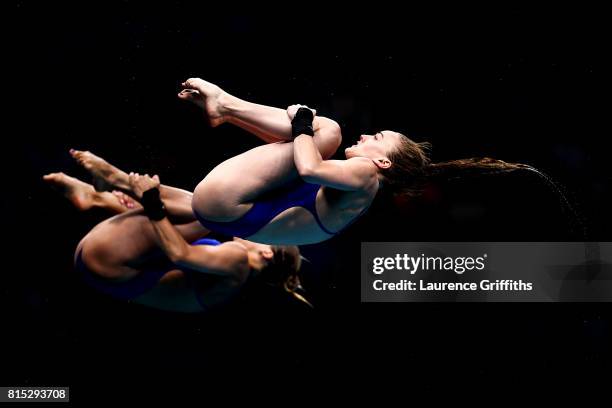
[153, 205]
[302, 123]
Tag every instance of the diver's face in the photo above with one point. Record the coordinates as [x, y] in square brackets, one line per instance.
[376, 146]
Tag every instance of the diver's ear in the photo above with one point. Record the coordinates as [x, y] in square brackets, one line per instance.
[267, 253]
[382, 162]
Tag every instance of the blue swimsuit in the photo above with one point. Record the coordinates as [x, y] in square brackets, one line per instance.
[141, 283]
[295, 194]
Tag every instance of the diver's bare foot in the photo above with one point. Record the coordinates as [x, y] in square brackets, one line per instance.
[106, 176]
[80, 194]
[207, 96]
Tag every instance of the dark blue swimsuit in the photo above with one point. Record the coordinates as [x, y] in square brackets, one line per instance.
[141, 283]
[295, 194]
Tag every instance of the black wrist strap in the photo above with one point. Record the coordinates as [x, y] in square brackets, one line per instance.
[153, 205]
[302, 123]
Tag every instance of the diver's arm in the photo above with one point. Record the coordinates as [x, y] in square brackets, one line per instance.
[350, 175]
[225, 259]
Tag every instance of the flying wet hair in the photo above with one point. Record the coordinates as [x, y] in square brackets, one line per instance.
[412, 168]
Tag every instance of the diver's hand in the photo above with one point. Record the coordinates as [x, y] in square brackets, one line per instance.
[125, 200]
[139, 184]
[292, 110]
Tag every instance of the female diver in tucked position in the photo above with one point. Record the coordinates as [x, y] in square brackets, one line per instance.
[158, 256]
[288, 191]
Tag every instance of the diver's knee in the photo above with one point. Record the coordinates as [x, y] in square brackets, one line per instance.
[331, 127]
[98, 259]
[329, 135]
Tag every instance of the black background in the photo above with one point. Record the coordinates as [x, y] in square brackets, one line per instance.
[516, 84]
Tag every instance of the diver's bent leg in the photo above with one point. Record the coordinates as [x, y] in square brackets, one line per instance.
[227, 191]
[273, 123]
[177, 201]
[268, 123]
[84, 197]
[178, 204]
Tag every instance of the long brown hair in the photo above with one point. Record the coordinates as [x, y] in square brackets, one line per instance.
[411, 167]
[283, 271]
